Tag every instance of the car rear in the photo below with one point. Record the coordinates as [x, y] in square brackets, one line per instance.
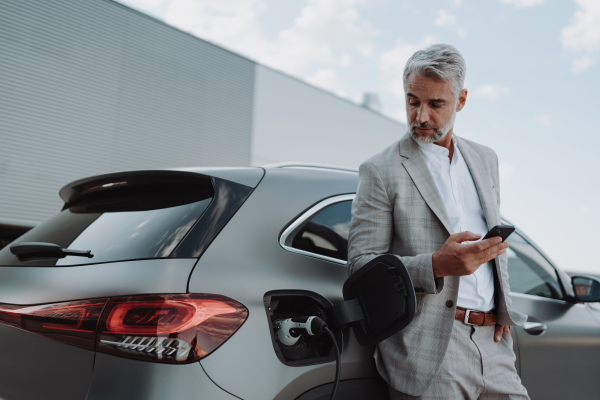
[120, 324]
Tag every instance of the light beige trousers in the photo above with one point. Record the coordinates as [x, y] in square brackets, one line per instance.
[475, 367]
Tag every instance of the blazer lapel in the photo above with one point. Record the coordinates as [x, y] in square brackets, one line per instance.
[419, 172]
[483, 183]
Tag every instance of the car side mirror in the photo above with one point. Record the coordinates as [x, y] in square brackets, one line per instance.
[587, 288]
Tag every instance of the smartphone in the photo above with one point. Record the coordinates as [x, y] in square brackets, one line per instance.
[503, 231]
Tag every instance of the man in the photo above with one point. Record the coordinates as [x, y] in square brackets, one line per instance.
[428, 199]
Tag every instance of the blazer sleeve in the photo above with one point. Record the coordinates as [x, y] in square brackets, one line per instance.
[372, 229]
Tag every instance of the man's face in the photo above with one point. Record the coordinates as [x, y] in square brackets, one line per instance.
[431, 108]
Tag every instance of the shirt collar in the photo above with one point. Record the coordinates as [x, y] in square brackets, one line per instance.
[440, 151]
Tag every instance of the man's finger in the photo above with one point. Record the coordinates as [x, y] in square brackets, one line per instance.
[507, 330]
[490, 253]
[466, 236]
[498, 333]
[482, 245]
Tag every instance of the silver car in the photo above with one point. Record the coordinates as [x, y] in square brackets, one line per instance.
[171, 284]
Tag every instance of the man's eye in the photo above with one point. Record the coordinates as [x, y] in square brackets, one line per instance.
[416, 103]
[435, 105]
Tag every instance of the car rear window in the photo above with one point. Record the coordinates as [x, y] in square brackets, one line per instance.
[122, 222]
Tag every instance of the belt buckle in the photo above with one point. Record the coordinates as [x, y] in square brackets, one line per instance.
[466, 320]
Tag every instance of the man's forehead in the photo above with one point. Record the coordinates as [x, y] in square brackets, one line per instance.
[432, 88]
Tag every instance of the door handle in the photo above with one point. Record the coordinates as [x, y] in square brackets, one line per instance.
[534, 328]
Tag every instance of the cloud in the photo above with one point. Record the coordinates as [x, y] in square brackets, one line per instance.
[507, 172]
[543, 119]
[583, 34]
[581, 64]
[523, 3]
[490, 91]
[328, 79]
[323, 34]
[392, 62]
[229, 23]
[584, 31]
[447, 20]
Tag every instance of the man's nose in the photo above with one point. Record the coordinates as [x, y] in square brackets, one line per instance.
[422, 114]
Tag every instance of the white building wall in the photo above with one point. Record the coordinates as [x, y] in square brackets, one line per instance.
[91, 87]
[294, 121]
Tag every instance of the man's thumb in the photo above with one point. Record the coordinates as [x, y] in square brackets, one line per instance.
[466, 236]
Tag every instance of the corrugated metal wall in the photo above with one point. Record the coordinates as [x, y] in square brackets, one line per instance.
[88, 87]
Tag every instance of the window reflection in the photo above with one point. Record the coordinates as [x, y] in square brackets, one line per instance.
[135, 235]
[529, 272]
[327, 232]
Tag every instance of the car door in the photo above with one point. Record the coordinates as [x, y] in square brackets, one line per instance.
[559, 345]
[322, 232]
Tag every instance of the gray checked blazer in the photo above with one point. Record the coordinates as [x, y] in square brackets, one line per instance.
[398, 209]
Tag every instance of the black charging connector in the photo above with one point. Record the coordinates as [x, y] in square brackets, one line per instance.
[290, 330]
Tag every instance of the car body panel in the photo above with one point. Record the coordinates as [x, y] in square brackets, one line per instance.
[36, 285]
[29, 367]
[245, 176]
[117, 378]
[249, 247]
[568, 351]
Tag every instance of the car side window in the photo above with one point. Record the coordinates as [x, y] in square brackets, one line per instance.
[326, 233]
[529, 272]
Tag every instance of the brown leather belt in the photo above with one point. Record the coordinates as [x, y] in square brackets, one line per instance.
[471, 317]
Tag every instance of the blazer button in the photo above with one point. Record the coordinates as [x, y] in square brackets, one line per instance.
[449, 303]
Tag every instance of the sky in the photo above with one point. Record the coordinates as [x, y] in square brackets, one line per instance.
[532, 81]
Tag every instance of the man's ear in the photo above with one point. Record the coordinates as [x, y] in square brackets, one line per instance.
[462, 99]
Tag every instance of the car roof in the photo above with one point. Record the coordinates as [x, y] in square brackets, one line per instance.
[311, 166]
[248, 176]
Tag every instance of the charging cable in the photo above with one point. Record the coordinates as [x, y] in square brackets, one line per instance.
[338, 366]
[289, 332]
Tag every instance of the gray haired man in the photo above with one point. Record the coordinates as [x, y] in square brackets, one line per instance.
[428, 199]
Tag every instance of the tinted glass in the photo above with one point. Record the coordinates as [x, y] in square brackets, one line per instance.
[147, 223]
[587, 289]
[529, 272]
[327, 232]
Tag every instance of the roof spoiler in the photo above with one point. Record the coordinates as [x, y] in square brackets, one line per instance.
[74, 191]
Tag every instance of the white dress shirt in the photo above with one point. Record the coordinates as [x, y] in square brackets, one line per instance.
[458, 191]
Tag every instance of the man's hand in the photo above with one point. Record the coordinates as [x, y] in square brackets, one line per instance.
[458, 259]
[498, 333]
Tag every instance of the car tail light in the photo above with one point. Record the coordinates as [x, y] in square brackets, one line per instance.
[160, 328]
[168, 328]
[74, 322]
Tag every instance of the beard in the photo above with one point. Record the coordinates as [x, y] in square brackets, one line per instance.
[438, 132]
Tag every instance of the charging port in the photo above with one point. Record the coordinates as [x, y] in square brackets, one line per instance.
[284, 304]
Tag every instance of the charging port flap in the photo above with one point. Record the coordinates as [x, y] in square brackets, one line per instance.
[379, 301]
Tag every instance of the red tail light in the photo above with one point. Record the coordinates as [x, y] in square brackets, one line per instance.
[160, 328]
[168, 328]
[74, 322]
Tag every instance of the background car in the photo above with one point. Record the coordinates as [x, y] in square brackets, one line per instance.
[192, 269]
